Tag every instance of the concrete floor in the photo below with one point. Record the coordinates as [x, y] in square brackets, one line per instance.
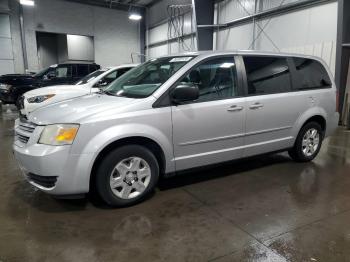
[262, 209]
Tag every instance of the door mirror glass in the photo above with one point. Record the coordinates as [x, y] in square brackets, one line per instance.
[101, 83]
[184, 93]
[50, 75]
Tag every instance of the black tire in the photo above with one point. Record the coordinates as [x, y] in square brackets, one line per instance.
[108, 164]
[296, 153]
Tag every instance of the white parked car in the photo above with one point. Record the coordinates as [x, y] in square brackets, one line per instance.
[91, 83]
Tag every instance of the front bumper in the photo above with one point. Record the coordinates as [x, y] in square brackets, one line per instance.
[6, 97]
[70, 172]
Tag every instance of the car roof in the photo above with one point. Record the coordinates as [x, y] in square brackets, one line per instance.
[74, 63]
[120, 66]
[241, 52]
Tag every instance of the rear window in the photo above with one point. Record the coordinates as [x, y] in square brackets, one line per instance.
[267, 75]
[311, 74]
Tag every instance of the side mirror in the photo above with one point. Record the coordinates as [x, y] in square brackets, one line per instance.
[101, 83]
[184, 93]
[50, 75]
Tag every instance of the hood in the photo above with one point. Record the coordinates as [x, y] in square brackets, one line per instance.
[80, 109]
[54, 90]
[17, 79]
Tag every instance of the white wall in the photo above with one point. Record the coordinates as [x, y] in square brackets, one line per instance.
[6, 52]
[309, 31]
[80, 48]
[47, 49]
[115, 36]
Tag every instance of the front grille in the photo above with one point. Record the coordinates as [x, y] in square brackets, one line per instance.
[23, 139]
[24, 130]
[45, 181]
[26, 126]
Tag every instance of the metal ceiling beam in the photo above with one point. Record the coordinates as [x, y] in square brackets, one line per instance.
[112, 5]
[152, 3]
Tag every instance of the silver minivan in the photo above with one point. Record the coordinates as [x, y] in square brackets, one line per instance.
[175, 113]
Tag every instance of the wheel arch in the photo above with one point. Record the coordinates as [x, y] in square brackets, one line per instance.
[148, 143]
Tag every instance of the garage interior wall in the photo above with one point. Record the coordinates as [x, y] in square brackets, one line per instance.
[115, 36]
[157, 37]
[6, 52]
[311, 31]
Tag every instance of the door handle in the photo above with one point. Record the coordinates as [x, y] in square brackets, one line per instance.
[256, 105]
[235, 108]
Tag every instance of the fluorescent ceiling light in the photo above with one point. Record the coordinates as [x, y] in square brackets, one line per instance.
[27, 2]
[134, 16]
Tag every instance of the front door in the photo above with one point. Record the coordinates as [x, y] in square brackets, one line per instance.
[210, 129]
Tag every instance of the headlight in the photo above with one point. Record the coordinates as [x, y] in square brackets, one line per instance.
[39, 99]
[5, 86]
[58, 135]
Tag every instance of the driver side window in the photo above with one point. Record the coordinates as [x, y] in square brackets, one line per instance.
[216, 79]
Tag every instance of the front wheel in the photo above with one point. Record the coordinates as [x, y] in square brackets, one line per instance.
[127, 175]
[308, 143]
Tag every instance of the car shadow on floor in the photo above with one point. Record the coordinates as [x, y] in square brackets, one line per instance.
[216, 171]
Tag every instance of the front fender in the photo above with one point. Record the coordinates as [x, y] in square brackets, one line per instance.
[101, 140]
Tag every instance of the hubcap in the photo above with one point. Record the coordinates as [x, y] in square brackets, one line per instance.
[311, 142]
[130, 177]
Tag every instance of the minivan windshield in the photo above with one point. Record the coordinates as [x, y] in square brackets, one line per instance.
[90, 77]
[143, 80]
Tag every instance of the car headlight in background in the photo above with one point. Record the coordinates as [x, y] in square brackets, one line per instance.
[5, 87]
[39, 99]
[59, 134]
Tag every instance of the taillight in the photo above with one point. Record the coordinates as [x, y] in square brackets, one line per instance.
[337, 100]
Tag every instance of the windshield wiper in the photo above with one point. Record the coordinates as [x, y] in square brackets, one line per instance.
[105, 92]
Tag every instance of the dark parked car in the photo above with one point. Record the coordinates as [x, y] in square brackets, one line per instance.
[12, 86]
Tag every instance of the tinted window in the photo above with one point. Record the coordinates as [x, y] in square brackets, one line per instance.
[216, 79]
[267, 75]
[63, 71]
[311, 74]
[82, 70]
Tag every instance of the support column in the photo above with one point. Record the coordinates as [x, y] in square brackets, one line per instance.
[343, 50]
[142, 32]
[204, 16]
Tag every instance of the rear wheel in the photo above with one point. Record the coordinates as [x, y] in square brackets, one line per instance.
[127, 175]
[308, 143]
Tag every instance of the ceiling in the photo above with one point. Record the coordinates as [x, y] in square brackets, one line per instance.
[118, 4]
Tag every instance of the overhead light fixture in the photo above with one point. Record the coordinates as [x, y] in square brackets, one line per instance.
[27, 2]
[135, 16]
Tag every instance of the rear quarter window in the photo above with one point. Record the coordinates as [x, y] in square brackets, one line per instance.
[311, 74]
